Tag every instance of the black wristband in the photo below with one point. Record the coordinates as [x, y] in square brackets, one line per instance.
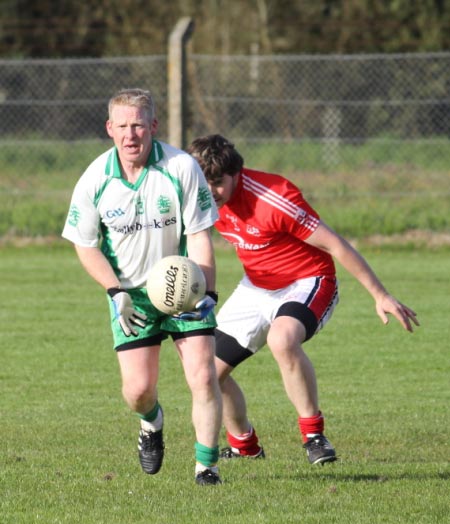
[112, 291]
[214, 295]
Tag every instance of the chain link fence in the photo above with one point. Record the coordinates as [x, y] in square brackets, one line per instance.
[66, 100]
[333, 121]
[330, 101]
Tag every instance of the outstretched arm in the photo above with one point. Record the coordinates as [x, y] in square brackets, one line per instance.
[329, 241]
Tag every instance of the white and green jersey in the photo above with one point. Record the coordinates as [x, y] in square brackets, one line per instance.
[137, 224]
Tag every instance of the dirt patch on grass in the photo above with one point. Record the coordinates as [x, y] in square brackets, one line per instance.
[19, 241]
[413, 238]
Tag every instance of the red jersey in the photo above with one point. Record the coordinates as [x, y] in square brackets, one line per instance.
[268, 220]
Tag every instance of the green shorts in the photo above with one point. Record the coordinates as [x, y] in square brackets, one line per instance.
[158, 327]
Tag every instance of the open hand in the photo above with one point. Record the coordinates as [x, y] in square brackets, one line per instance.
[387, 304]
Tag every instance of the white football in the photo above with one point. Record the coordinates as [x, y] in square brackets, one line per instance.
[175, 284]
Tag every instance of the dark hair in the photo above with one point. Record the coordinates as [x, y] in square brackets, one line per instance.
[216, 156]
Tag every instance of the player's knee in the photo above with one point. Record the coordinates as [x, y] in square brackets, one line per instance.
[200, 379]
[137, 394]
[285, 335]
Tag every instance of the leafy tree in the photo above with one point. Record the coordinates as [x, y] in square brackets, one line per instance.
[69, 28]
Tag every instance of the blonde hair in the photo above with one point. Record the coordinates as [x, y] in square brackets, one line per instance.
[133, 97]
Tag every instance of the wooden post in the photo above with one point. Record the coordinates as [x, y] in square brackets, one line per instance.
[177, 88]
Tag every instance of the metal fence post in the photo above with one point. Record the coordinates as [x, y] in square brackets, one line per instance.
[177, 82]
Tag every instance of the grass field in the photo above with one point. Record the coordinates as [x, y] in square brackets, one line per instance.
[383, 188]
[68, 442]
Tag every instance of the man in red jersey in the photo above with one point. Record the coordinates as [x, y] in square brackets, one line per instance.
[287, 294]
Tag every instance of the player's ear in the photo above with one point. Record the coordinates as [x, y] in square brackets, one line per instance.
[154, 126]
[108, 126]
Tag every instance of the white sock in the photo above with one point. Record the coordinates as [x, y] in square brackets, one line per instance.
[201, 467]
[154, 425]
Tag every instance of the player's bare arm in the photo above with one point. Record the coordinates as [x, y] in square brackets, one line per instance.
[328, 240]
[200, 249]
[97, 266]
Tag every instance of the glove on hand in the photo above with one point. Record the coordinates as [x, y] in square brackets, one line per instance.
[202, 309]
[125, 312]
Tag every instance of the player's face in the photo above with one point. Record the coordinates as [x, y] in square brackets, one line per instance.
[132, 133]
[223, 190]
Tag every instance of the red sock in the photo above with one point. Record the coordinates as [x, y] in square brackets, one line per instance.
[311, 425]
[247, 444]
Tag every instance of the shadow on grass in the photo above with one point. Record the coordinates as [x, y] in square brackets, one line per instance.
[367, 477]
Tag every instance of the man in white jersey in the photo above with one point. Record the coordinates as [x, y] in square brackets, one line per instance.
[287, 294]
[138, 202]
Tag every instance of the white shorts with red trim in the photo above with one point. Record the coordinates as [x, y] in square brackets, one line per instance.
[249, 312]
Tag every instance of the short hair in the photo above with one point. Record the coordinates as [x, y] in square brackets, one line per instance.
[217, 156]
[133, 97]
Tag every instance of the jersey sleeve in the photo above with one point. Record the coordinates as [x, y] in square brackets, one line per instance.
[198, 208]
[83, 220]
[298, 219]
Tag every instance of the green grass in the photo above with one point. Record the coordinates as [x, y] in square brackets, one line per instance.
[68, 442]
[386, 153]
[384, 187]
